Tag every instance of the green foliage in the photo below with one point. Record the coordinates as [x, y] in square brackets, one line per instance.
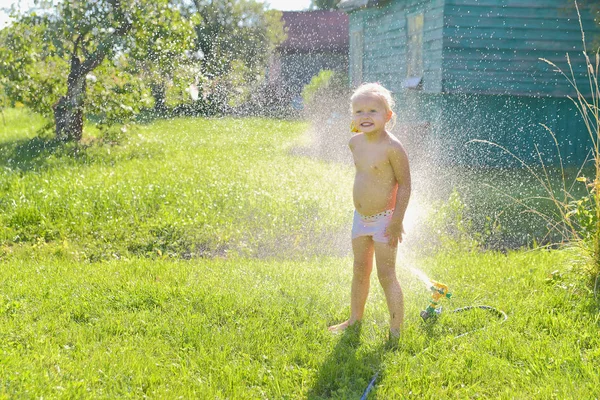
[161, 56]
[449, 225]
[114, 50]
[594, 9]
[582, 214]
[32, 72]
[3, 103]
[323, 85]
[456, 224]
[235, 40]
[142, 54]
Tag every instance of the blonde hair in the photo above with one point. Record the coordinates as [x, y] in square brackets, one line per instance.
[377, 90]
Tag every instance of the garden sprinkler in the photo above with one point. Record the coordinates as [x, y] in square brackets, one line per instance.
[438, 290]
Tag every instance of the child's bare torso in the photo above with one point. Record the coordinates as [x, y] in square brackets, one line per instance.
[375, 184]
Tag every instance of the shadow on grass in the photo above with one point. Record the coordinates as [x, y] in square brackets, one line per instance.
[347, 372]
[40, 153]
[32, 154]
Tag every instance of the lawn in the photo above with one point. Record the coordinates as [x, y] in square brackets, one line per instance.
[196, 258]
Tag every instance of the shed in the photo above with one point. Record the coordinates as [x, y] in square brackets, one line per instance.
[471, 69]
[315, 40]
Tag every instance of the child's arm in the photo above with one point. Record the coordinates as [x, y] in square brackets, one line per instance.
[399, 161]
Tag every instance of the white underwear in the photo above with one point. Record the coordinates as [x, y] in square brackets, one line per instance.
[372, 225]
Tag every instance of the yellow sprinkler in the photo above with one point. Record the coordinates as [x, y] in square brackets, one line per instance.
[438, 290]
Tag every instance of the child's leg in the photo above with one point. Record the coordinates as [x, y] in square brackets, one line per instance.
[385, 255]
[362, 248]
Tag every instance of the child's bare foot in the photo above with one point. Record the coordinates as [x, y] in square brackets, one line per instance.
[393, 340]
[341, 327]
[394, 334]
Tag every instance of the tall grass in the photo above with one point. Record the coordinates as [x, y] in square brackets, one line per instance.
[582, 216]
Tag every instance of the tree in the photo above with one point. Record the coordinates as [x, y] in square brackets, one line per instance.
[29, 68]
[235, 40]
[82, 37]
[162, 54]
[325, 4]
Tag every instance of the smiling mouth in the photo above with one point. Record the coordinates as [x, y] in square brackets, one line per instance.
[366, 124]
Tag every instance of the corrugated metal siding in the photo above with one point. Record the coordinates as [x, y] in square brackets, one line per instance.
[385, 41]
[490, 51]
[513, 122]
[495, 46]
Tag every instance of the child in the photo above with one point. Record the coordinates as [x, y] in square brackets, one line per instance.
[381, 193]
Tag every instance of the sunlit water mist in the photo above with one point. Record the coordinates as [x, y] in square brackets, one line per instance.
[409, 252]
[327, 139]
[422, 276]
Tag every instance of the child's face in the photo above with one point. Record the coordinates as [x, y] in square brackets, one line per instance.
[369, 113]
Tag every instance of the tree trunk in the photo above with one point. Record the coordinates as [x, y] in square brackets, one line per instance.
[68, 117]
[159, 93]
[68, 110]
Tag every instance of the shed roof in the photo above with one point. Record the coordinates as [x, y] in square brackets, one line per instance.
[320, 30]
[350, 5]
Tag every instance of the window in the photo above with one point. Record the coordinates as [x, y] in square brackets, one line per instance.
[414, 51]
[356, 58]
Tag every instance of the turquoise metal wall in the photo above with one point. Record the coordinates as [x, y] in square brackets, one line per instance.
[480, 81]
[441, 128]
[495, 46]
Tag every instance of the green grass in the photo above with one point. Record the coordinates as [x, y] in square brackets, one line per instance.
[182, 188]
[510, 200]
[202, 259]
[244, 328]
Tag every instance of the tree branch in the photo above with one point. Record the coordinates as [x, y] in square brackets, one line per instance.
[84, 44]
[125, 25]
[76, 44]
